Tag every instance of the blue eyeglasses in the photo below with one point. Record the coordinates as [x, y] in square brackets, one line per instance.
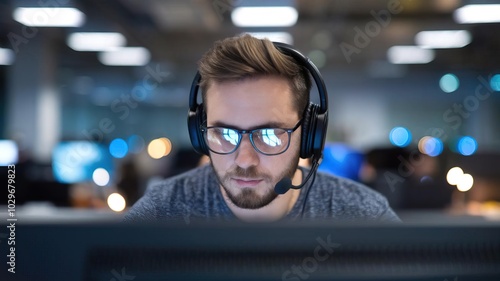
[268, 141]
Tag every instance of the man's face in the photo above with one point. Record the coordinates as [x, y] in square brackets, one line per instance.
[247, 176]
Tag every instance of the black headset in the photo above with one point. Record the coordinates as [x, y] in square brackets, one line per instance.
[315, 119]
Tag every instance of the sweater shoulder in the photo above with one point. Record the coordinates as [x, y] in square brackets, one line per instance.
[171, 197]
[350, 199]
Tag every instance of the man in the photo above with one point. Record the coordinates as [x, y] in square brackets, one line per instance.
[255, 98]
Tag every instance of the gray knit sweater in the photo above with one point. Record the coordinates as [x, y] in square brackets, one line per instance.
[195, 195]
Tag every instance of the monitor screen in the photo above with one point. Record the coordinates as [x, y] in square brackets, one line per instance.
[341, 160]
[278, 251]
[77, 161]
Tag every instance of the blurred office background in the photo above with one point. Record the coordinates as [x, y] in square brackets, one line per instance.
[93, 95]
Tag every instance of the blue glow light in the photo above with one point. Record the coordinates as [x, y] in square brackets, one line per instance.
[449, 83]
[400, 136]
[341, 160]
[495, 83]
[118, 148]
[431, 146]
[467, 145]
[75, 161]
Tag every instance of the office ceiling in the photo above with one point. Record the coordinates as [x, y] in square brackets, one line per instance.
[178, 32]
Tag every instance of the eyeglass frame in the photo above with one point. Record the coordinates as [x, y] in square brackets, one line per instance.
[240, 133]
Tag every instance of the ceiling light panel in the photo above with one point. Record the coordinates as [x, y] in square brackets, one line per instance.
[49, 17]
[95, 41]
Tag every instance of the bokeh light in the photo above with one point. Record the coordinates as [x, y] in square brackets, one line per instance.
[467, 145]
[426, 180]
[118, 148]
[495, 83]
[454, 175]
[322, 40]
[100, 177]
[9, 152]
[466, 183]
[400, 136]
[159, 148]
[431, 146]
[449, 83]
[342, 160]
[76, 161]
[116, 202]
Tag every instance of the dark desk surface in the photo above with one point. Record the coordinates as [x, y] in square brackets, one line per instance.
[453, 250]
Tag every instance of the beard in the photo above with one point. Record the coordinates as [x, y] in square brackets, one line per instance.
[247, 197]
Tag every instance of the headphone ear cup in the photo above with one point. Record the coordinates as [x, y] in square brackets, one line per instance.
[313, 132]
[321, 125]
[308, 127]
[196, 119]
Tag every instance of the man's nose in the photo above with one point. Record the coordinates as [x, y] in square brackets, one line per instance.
[246, 155]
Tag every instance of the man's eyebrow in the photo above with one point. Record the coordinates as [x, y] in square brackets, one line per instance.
[262, 126]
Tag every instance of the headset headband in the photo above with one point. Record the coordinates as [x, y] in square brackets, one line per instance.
[297, 56]
[313, 70]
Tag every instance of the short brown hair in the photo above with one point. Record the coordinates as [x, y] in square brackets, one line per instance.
[243, 57]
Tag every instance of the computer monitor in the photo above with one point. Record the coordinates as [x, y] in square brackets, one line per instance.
[77, 161]
[236, 251]
[9, 152]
